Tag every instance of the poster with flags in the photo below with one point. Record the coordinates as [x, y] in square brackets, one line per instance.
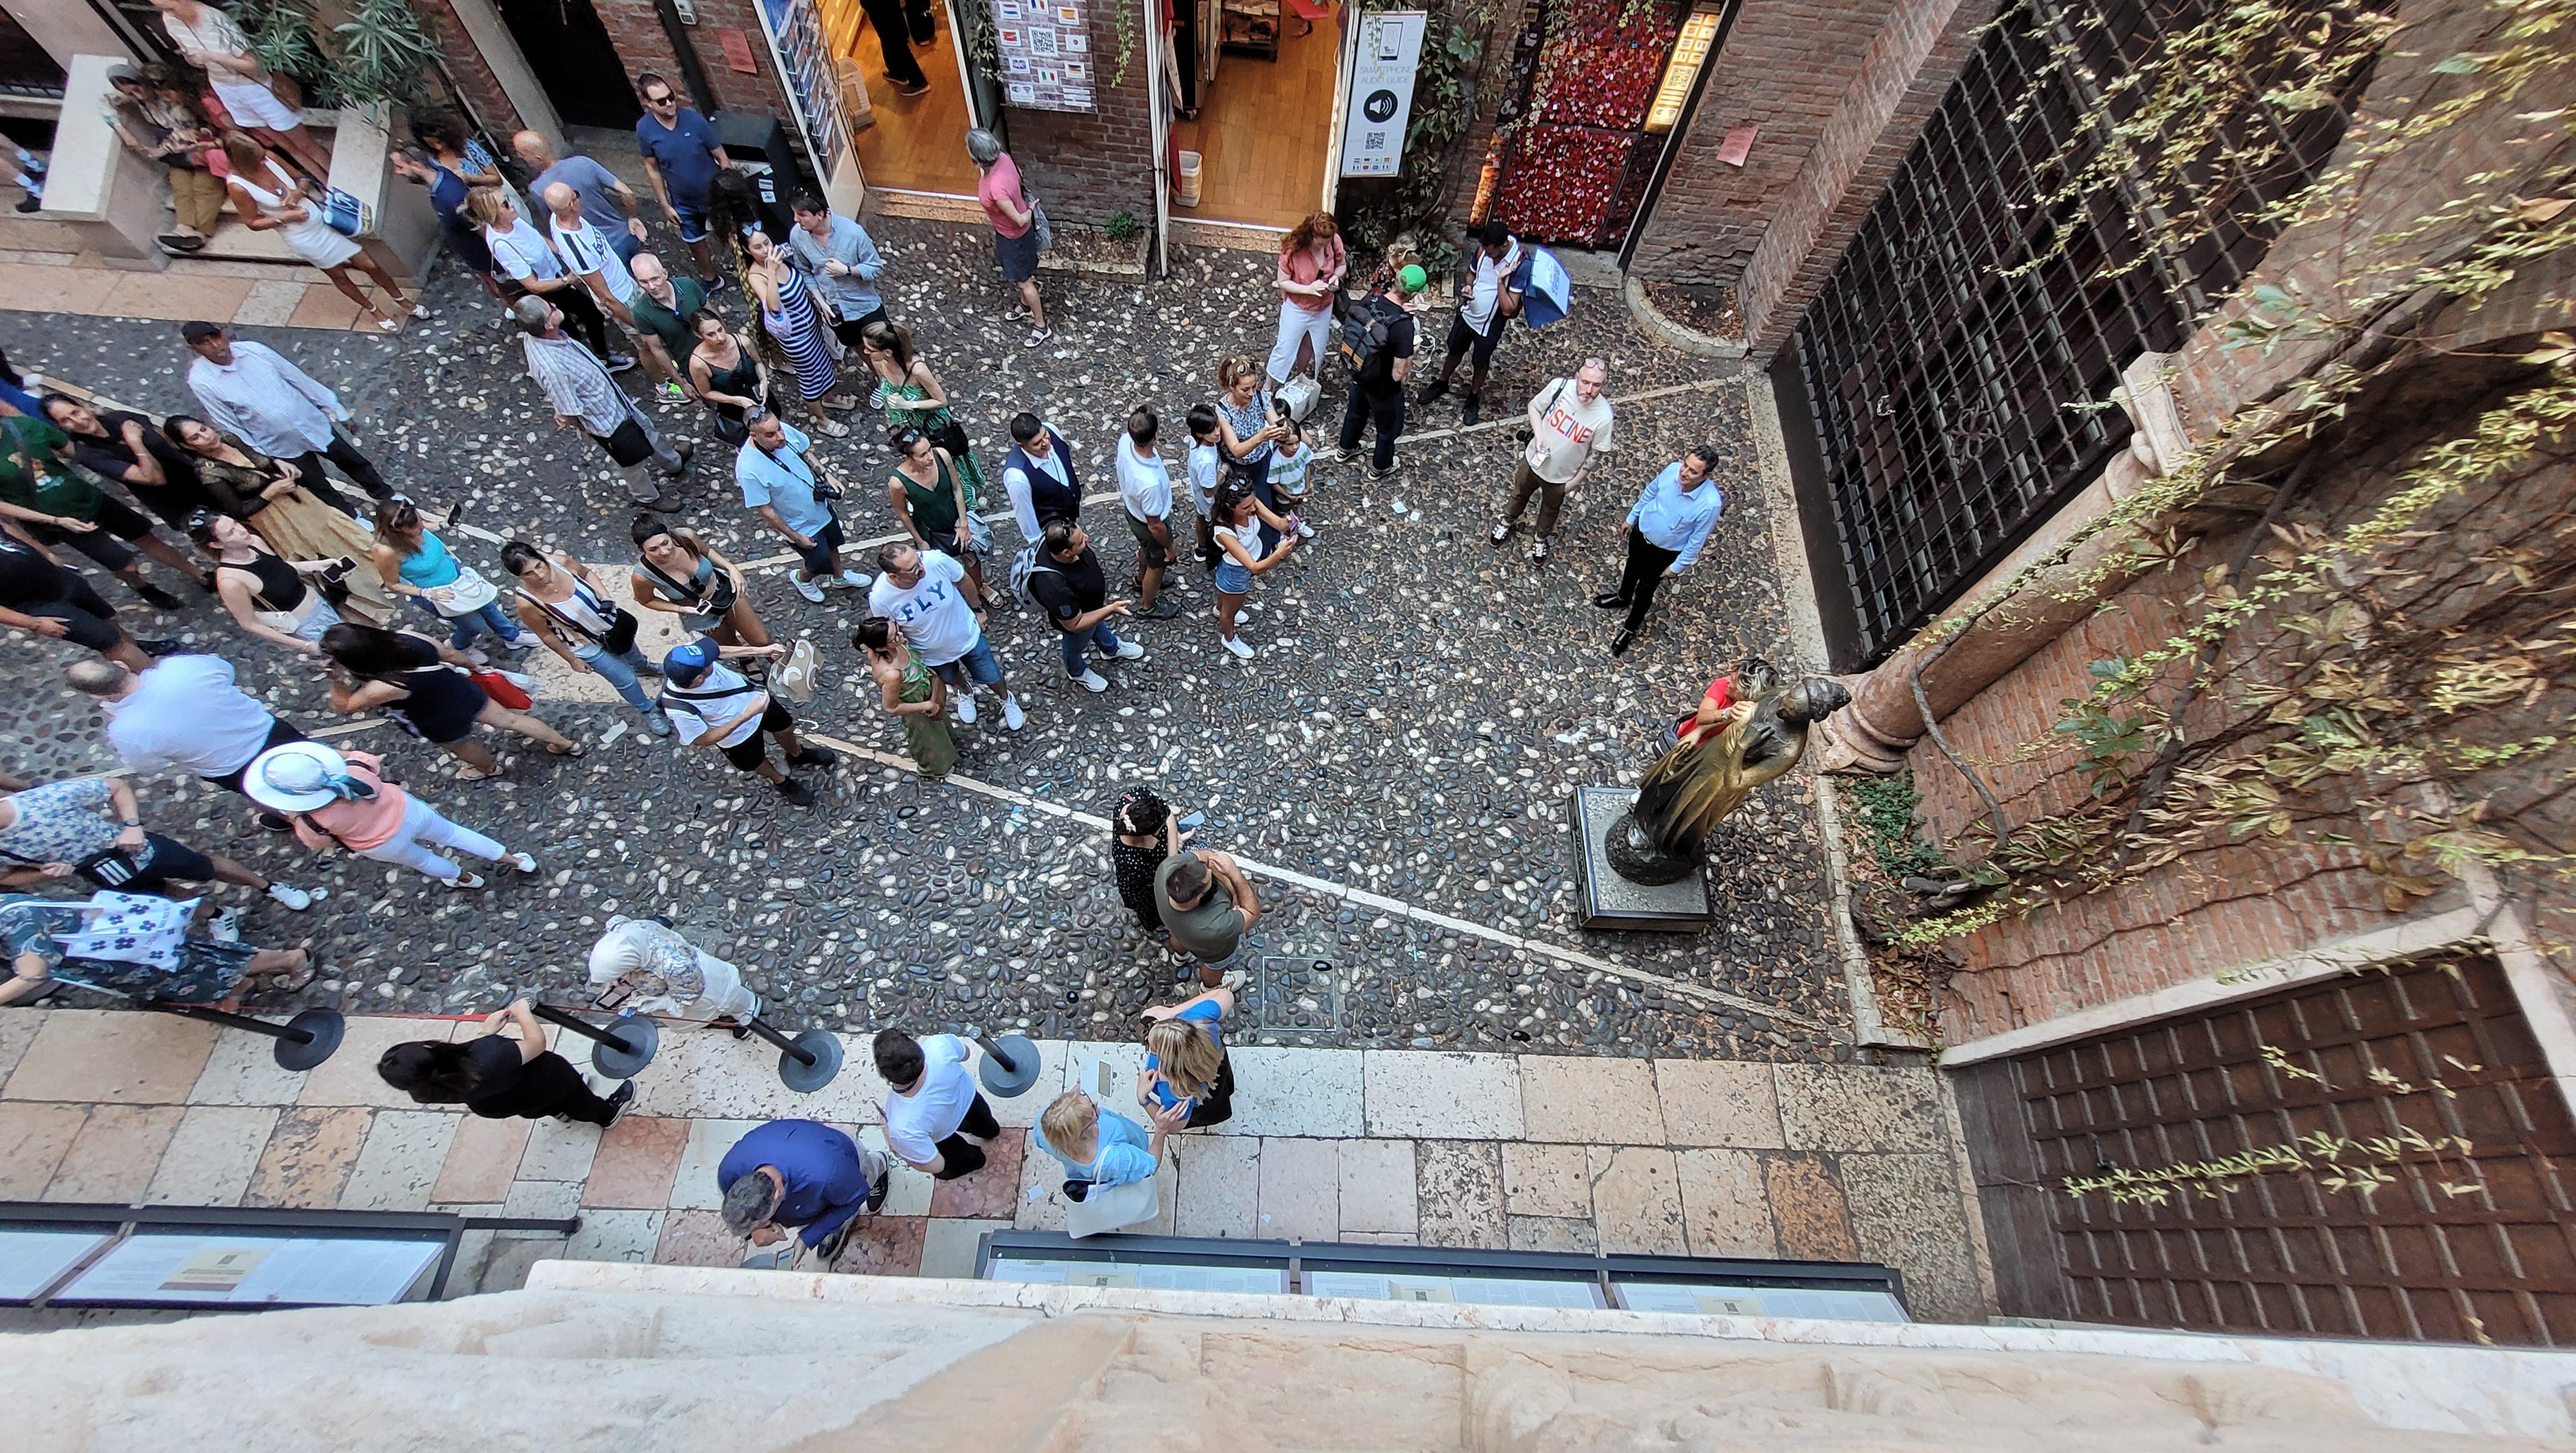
[1044, 47]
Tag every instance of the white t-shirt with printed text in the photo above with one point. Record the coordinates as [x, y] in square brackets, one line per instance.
[933, 615]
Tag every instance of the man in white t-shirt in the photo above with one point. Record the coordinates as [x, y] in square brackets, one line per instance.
[917, 590]
[1486, 301]
[591, 256]
[1145, 488]
[935, 1118]
[1569, 428]
[711, 705]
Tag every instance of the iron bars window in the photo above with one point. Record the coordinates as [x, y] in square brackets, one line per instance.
[2101, 174]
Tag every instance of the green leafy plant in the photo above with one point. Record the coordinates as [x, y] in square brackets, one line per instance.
[280, 33]
[381, 55]
[1126, 41]
[1123, 228]
[1885, 811]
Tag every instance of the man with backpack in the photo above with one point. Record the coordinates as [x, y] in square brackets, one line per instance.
[1377, 339]
[1487, 300]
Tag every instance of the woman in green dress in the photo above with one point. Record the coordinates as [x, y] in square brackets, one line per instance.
[913, 692]
[927, 493]
[914, 399]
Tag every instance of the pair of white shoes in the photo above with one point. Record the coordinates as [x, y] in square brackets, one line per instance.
[521, 861]
[1012, 716]
[813, 589]
[1091, 679]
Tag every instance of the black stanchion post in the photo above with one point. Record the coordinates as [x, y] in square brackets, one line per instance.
[625, 1048]
[302, 1042]
[806, 1063]
[1010, 1063]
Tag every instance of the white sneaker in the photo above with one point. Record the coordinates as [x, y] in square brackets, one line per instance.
[1091, 680]
[857, 579]
[809, 590]
[1130, 651]
[660, 724]
[1012, 716]
[467, 880]
[1237, 645]
[475, 655]
[521, 861]
[225, 926]
[292, 896]
[966, 707]
[1305, 531]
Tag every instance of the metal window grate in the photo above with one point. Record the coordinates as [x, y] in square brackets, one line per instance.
[1960, 392]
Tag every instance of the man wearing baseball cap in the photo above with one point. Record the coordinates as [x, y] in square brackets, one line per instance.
[1377, 386]
[711, 705]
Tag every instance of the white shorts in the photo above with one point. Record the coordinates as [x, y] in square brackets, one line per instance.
[254, 105]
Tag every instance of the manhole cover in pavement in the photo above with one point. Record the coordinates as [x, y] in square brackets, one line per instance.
[1298, 996]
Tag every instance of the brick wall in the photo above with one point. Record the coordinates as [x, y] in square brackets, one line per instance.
[464, 61]
[1911, 63]
[1089, 166]
[1785, 69]
[635, 28]
[2226, 905]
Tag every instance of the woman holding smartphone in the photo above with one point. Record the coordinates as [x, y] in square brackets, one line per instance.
[1241, 518]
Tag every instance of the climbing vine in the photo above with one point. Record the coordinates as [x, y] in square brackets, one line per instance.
[2381, 669]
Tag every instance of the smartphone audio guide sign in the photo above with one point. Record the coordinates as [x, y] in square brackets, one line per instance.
[1390, 45]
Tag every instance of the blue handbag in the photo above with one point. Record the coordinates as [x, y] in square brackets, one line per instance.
[344, 212]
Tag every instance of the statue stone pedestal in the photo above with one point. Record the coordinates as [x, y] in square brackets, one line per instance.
[1608, 900]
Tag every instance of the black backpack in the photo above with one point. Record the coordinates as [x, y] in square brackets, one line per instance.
[1365, 330]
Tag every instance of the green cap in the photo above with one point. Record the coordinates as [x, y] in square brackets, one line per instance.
[1413, 278]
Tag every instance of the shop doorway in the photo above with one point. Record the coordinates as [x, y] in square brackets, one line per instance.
[582, 74]
[1261, 78]
[915, 143]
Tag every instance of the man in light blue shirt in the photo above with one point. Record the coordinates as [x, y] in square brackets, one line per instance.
[250, 390]
[780, 484]
[844, 263]
[1665, 530]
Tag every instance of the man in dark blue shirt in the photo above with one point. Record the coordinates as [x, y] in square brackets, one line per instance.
[792, 1174]
[681, 155]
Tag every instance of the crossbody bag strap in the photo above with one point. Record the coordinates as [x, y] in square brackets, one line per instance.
[567, 622]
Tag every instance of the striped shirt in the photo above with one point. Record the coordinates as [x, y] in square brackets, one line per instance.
[576, 383]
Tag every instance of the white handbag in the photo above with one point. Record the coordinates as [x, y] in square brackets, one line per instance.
[463, 596]
[1113, 1208]
[1299, 394]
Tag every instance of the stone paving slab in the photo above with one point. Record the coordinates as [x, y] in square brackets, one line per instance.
[1465, 1175]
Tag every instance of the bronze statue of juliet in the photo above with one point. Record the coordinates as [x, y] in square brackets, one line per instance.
[1707, 775]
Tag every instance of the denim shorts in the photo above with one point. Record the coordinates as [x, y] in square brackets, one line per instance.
[978, 665]
[693, 221]
[1233, 577]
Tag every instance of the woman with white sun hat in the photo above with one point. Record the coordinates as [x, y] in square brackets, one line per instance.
[342, 800]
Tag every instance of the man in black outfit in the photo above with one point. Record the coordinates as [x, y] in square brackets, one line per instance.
[1070, 586]
[1377, 389]
[896, 21]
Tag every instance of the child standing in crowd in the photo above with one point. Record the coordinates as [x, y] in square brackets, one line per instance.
[1206, 452]
[1290, 469]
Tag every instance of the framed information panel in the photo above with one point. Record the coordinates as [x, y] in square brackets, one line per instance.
[249, 1270]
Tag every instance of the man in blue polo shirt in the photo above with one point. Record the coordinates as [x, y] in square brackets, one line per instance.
[801, 1176]
[681, 155]
[780, 484]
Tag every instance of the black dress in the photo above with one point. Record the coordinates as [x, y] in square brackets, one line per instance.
[1134, 868]
[443, 702]
[506, 1087]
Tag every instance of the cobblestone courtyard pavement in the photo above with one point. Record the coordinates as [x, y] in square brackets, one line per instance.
[1402, 751]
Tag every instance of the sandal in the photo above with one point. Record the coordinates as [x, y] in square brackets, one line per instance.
[476, 774]
[289, 983]
[574, 750]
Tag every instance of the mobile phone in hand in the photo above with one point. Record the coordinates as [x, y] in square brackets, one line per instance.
[1191, 822]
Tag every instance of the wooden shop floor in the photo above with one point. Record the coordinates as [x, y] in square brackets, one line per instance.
[919, 142]
[1264, 132]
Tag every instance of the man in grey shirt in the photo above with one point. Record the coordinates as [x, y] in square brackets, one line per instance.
[577, 386]
[608, 203]
[845, 264]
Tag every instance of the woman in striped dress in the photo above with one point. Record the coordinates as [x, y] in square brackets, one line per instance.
[787, 312]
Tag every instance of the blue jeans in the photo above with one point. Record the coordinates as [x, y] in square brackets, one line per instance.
[461, 630]
[618, 672]
[979, 666]
[1100, 638]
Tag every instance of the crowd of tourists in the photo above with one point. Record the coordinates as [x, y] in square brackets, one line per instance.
[264, 500]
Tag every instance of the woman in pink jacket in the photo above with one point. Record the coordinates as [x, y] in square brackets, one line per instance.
[1312, 261]
[342, 800]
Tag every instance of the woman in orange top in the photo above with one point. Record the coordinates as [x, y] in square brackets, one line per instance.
[336, 800]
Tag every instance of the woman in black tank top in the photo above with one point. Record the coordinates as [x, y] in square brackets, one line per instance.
[268, 596]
